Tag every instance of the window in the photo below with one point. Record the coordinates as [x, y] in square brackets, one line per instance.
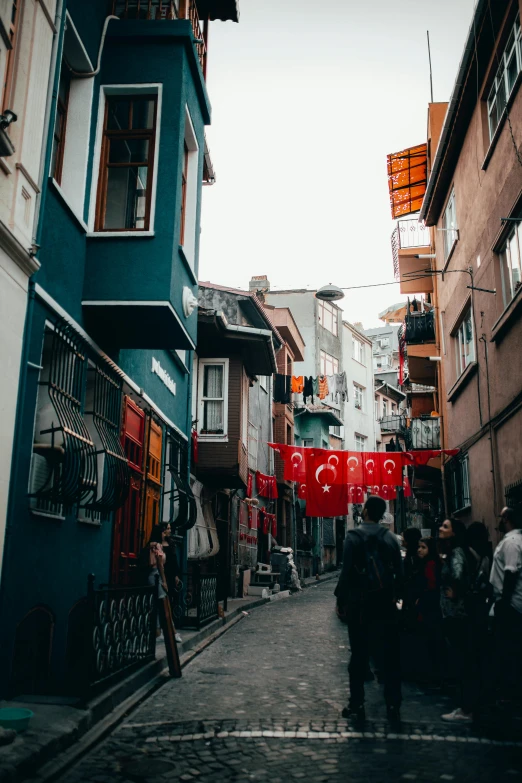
[12, 31]
[504, 81]
[384, 342]
[359, 442]
[263, 382]
[252, 446]
[336, 430]
[189, 192]
[511, 264]
[376, 407]
[308, 443]
[358, 395]
[458, 474]
[60, 124]
[449, 226]
[384, 408]
[464, 343]
[329, 365]
[213, 398]
[126, 163]
[358, 350]
[328, 317]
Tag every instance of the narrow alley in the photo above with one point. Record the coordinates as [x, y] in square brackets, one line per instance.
[263, 703]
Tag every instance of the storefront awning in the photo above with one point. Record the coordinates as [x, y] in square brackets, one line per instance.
[407, 177]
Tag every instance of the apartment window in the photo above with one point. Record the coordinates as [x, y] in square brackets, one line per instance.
[464, 343]
[328, 317]
[189, 192]
[60, 124]
[376, 409]
[252, 446]
[308, 443]
[358, 350]
[458, 475]
[511, 264]
[336, 430]
[213, 398]
[12, 31]
[329, 365]
[504, 81]
[359, 442]
[358, 396]
[126, 163]
[385, 408]
[449, 225]
[184, 177]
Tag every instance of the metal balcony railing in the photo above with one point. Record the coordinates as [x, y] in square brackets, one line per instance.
[165, 9]
[420, 328]
[406, 234]
[392, 423]
[423, 433]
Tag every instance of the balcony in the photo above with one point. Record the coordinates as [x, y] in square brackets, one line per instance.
[411, 238]
[420, 328]
[423, 433]
[393, 423]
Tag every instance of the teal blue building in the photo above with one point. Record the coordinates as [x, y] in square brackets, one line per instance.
[103, 430]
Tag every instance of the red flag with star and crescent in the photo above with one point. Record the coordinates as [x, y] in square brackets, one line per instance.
[326, 485]
[372, 470]
[294, 458]
[391, 468]
[354, 467]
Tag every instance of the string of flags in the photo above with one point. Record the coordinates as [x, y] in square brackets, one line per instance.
[330, 480]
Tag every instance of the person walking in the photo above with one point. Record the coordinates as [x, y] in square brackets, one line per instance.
[368, 588]
[427, 604]
[506, 581]
[455, 584]
[157, 560]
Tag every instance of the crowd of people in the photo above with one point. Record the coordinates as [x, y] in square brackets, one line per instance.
[448, 600]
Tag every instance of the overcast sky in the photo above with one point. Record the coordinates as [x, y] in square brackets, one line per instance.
[308, 98]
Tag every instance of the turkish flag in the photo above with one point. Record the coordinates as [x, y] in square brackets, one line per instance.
[294, 458]
[266, 486]
[356, 493]
[407, 487]
[301, 493]
[326, 486]
[372, 469]
[250, 485]
[388, 492]
[355, 467]
[423, 456]
[390, 463]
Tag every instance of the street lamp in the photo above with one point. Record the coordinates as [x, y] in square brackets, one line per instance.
[329, 293]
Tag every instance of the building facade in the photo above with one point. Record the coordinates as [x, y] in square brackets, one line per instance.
[102, 445]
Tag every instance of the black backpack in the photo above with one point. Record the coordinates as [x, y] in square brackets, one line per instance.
[372, 572]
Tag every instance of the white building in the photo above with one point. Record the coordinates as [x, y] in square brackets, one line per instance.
[358, 416]
[28, 41]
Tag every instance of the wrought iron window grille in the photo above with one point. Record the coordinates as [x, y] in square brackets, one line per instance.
[104, 400]
[61, 435]
[179, 503]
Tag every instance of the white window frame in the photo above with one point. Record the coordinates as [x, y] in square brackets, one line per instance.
[450, 225]
[358, 396]
[501, 89]
[328, 317]
[359, 442]
[384, 408]
[191, 197]
[358, 352]
[326, 359]
[459, 335]
[307, 443]
[204, 436]
[124, 89]
[376, 408]
[460, 486]
[509, 263]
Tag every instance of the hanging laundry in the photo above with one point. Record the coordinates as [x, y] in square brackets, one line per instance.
[331, 385]
[308, 389]
[322, 387]
[340, 388]
[282, 388]
[315, 382]
[297, 384]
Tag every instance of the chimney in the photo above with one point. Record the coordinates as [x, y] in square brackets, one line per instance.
[260, 285]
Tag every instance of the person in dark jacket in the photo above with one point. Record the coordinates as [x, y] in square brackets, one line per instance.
[427, 605]
[371, 612]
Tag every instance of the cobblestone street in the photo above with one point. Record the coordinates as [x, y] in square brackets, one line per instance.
[263, 703]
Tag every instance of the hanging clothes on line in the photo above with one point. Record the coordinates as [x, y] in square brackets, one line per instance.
[322, 384]
[308, 389]
[331, 385]
[282, 389]
[341, 386]
[297, 384]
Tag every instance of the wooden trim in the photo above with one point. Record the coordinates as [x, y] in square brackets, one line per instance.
[62, 110]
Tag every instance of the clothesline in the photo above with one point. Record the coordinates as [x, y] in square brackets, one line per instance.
[321, 386]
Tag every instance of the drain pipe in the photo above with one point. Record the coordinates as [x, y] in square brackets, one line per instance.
[90, 74]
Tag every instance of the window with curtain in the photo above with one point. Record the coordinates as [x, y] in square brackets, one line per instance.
[213, 397]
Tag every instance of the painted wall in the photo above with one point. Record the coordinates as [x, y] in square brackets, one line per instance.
[356, 421]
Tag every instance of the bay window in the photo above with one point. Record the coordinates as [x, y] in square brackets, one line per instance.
[126, 163]
[213, 398]
[328, 317]
[329, 365]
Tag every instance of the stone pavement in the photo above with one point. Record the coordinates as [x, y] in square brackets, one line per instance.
[263, 703]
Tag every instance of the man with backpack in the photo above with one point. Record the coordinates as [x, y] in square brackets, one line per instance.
[368, 589]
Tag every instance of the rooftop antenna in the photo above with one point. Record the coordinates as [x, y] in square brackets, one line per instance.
[429, 57]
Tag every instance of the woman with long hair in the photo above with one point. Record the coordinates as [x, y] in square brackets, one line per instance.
[157, 561]
[455, 582]
[429, 616]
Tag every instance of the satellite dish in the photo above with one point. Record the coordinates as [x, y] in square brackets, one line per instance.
[329, 293]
